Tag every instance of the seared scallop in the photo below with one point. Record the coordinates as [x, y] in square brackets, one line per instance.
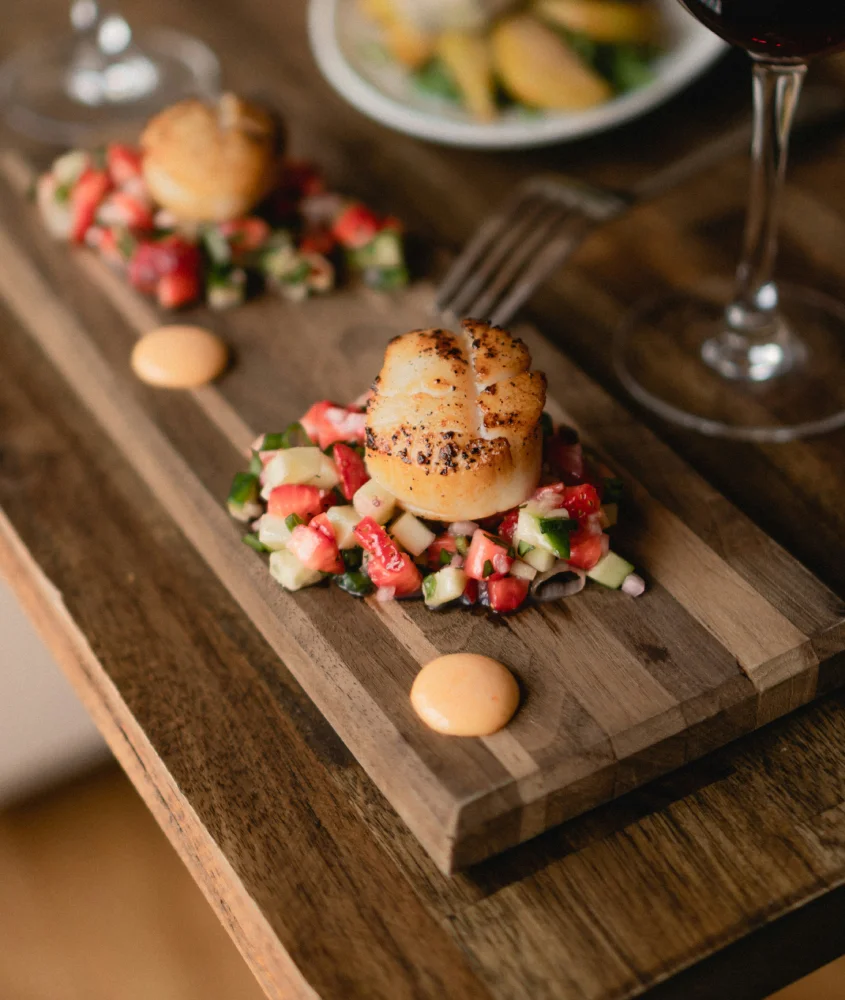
[453, 427]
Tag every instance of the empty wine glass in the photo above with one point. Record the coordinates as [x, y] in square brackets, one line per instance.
[757, 361]
[100, 77]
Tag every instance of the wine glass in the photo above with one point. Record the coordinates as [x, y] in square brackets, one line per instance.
[99, 77]
[757, 361]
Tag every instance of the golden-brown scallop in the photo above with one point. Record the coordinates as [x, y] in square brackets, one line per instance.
[453, 427]
[211, 162]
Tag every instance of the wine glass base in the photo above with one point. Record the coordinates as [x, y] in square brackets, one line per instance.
[665, 355]
[38, 102]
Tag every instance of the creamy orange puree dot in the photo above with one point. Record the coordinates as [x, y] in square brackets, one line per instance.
[465, 694]
[179, 357]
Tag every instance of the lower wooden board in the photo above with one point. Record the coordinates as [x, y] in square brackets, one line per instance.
[731, 633]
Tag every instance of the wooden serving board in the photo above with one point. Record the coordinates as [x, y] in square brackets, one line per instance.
[731, 633]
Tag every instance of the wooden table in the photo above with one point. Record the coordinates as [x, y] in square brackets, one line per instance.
[724, 879]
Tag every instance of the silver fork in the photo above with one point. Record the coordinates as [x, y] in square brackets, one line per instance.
[547, 218]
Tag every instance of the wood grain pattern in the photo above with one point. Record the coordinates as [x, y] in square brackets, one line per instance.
[464, 800]
[711, 857]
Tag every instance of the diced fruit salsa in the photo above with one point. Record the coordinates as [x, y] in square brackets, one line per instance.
[301, 240]
[312, 506]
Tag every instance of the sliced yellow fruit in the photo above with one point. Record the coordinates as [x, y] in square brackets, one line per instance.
[537, 67]
[603, 20]
[407, 44]
[381, 11]
[470, 61]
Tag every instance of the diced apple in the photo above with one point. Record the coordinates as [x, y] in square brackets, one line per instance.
[290, 572]
[412, 534]
[273, 532]
[343, 520]
[299, 466]
[374, 501]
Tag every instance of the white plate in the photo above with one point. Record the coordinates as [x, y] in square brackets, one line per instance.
[341, 37]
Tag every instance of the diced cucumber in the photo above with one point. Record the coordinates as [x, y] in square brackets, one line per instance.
[411, 534]
[536, 526]
[226, 291]
[557, 530]
[610, 571]
[243, 497]
[343, 519]
[69, 167]
[540, 559]
[383, 251]
[523, 570]
[290, 572]
[352, 558]
[273, 532]
[523, 548]
[444, 586]
[355, 582]
[374, 501]
[299, 466]
[462, 544]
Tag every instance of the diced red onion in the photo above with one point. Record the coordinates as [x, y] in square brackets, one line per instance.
[462, 528]
[501, 562]
[457, 561]
[385, 594]
[633, 585]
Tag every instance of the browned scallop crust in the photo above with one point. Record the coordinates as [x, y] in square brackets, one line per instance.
[453, 428]
[211, 162]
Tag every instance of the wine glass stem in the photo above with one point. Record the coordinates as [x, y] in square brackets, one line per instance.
[756, 343]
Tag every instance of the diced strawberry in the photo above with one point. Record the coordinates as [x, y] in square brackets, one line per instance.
[306, 501]
[85, 198]
[319, 241]
[579, 501]
[470, 594]
[322, 523]
[445, 543]
[143, 267]
[586, 549]
[405, 579]
[507, 593]
[508, 526]
[175, 253]
[245, 235]
[351, 469]
[356, 226]
[326, 423]
[375, 540]
[178, 288]
[315, 549]
[487, 558]
[565, 457]
[330, 498]
[123, 163]
[123, 209]
[109, 248]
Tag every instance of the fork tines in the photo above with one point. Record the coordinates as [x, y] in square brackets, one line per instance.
[516, 248]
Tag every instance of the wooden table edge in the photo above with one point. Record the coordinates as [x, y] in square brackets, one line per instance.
[255, 939]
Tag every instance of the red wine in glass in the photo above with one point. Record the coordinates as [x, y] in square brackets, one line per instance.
[759, 361]
[776, 29]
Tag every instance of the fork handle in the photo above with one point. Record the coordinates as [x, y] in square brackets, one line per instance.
[821, 103]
